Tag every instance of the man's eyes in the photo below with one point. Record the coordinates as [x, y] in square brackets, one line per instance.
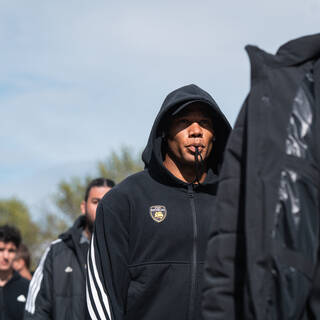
[203, 123]
[184, 121]
[10, 250]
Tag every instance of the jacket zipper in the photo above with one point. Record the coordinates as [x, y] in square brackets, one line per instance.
[194, 252]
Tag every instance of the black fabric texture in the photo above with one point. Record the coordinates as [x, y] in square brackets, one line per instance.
[12, 298]
[62, 288]
[149, 269]
[263, 252]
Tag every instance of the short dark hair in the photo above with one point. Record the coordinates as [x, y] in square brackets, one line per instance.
[98, 182]
[24, 253]
[10, 234]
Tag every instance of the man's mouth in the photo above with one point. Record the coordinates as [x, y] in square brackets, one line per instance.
[193, 147]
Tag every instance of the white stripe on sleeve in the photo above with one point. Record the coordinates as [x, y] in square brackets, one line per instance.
[89, 305]
[93, 289]
[35, 283]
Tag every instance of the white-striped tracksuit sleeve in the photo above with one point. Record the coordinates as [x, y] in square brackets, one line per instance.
[107, 268]
[39, 301]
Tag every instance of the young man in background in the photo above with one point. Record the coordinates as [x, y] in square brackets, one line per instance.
[13, 288]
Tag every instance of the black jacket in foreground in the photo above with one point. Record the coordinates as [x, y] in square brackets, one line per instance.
[57, 288]
[148, 247]
[13, 298]
[263, 253]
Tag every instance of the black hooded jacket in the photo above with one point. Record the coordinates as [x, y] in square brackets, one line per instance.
[13, 297]
[263, 260]
[57, 288]
[148, 247]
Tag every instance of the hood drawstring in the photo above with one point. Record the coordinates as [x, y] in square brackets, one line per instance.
[199, 166]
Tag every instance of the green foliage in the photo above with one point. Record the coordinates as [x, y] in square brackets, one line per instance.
[69, 197]
[14, 212]
[119, 166]
[37, 235]
[116, 167]
[52, 225]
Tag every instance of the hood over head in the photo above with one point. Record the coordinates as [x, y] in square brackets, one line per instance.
[153, 154]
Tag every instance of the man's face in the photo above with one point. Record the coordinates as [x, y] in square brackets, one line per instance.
[7, 254]
[191, 128]
[89, 207]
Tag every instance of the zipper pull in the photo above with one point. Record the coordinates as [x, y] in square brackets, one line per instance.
[190, 190]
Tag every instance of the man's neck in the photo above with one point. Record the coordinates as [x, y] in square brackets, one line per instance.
[186, 173]
[5, 276]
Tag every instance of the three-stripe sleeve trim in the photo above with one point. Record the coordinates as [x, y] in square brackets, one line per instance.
[94, 285]
[35, 283]
[89, 305]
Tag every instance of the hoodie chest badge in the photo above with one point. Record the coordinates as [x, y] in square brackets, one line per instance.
[158, 213]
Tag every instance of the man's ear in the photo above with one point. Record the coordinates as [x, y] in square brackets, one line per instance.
[83, 207]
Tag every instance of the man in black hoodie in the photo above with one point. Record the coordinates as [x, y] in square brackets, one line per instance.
[148, 247]
[57, 289]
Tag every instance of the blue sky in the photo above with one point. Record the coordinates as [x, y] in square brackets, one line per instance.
[81, 78]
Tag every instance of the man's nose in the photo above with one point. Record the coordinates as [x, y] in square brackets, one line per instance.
[195, 130]
[6, 254]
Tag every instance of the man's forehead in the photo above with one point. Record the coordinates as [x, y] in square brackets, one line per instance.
[9, 244]
[194, 108]
[98, 191]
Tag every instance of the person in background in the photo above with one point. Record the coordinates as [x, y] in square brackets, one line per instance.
[13, 287]
[147, 251]
[22, 262]
[57, 289]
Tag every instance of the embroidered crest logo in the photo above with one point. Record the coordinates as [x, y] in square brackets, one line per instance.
[158, 213]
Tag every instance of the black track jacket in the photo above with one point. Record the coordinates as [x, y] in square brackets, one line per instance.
[13, 298]
[263, 252]
[57, 288]
[148, 247]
